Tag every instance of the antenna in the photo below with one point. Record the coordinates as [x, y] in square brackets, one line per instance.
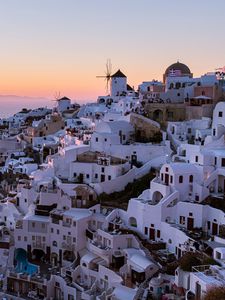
[108, 74]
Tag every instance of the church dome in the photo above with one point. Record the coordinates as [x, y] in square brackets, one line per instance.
[184, 69]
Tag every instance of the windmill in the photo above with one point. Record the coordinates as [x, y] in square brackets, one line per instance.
[107, 75]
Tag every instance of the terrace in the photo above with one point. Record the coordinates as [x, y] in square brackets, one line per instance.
[98, 158]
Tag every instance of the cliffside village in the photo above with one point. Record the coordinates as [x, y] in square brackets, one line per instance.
[122, 199]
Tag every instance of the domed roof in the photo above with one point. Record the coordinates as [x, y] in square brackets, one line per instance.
[178, 66]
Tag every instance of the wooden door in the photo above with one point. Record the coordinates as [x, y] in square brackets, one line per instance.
[214, 228]
[190, 223]
[152, 234]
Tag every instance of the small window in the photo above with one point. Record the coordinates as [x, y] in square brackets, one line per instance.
[223, 162]
[171, 179]
[74, 223]
[220, 114]
[96, 139]
[87, 175]
[33, 224]
[19, 238]
[181, 179]
[215, 161]
[109, 177]
[103, 169]
[190, 214]
[96, 175]
[33, 238]
[182, 220]
[57, 231]
[25, 239]
[196, 158]
[167, 169]
[158, 234]
[52, 230]
[191, 178]
[74, 240]
[74, 174]
[105, 140]
[146, 230]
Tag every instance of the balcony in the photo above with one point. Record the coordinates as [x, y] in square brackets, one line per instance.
[98, 249]
[66, 224]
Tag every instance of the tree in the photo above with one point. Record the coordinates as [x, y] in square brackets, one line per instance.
[217, 292]
[189, 260]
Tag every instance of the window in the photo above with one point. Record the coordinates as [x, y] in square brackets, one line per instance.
[43, 238]
[64, 237]
[152, 225]
[109, 177]
[57, 231]
[189, 130]
[196, 158]
[190, 214]
[74, 223]
[74, 174]
[208, 225]
[52, 230]
[162, 176]
[220, 114]
[96, 139]
[103, 169]
[74, 240]
[181, 179]
[167, 169]
[158, 234]
[215, 160]
[96, 175]
[105, 140]
[214, 132]
[19, 238]
[191, 178]
[33, 224]
[43, 225]
[171, 179]
[25, 239]
[33, 238]
[223, 162]
[87, 175]
[182, 220]
[146, 230]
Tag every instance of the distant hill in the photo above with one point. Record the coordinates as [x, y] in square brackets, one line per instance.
[11, 104]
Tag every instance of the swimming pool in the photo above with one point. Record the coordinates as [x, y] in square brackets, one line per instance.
[23, 266]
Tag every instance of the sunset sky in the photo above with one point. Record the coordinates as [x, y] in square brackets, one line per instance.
[61, 45]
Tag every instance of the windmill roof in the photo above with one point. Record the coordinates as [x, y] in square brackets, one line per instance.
[118, 74]
[64, 98]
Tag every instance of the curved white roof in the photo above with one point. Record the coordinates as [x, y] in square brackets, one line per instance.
[114, 127]
[180, 167]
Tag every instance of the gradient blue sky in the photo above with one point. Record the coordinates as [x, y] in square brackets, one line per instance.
[61, 45]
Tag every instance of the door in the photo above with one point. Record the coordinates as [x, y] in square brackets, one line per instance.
[167, 179]
[214, 228]
[190, 223]
[152, 234]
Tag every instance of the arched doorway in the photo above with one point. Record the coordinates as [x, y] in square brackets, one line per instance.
[156, 197]
[133, 221]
